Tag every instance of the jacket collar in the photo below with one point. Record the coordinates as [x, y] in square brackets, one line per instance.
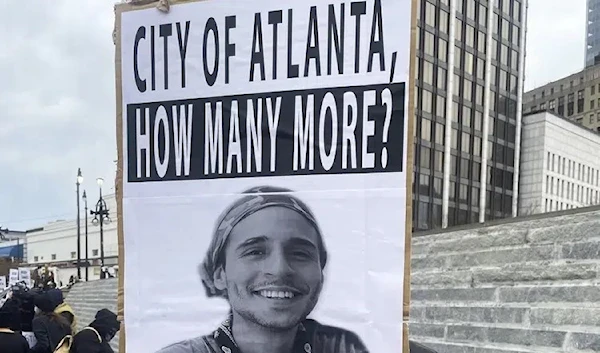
[225, 340]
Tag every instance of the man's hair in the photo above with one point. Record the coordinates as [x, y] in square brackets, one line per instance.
[252, 200]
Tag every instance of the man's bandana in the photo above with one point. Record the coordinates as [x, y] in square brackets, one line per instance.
[254, 199]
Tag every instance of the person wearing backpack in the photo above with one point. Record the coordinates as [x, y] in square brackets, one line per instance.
[97, 336]
[62, 308]
[50, 329]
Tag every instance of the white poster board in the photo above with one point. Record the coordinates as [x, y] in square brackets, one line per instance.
[263, 156]
[13, 276]
[3, 284]
[25, 276]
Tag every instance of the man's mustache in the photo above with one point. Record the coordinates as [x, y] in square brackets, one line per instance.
[294, 285]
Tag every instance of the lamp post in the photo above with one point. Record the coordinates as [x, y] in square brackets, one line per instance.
[87, 259]
[100, 217]
[79, 181]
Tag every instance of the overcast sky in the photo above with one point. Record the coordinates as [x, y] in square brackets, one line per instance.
[57, 103]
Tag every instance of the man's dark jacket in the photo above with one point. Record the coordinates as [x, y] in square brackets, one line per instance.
[88, 341]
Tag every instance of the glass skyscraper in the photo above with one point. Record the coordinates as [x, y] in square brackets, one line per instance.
[592, 38]
[469, 92]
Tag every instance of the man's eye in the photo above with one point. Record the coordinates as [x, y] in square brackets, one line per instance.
[254, 252]
[302, 254]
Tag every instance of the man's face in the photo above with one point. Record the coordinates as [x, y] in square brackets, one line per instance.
[272, 270]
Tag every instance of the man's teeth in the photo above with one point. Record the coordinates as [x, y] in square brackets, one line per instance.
[276, 294]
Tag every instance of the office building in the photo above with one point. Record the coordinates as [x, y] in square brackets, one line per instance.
[576, 97]
[592, 37]
[55, 245]
[12, 244]
[560, 166]
[469, 93]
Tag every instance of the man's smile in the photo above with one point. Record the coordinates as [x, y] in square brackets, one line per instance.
[278, 292]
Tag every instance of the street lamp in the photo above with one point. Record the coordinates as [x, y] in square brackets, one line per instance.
[101, 217]
[79, 181]
[87, 259]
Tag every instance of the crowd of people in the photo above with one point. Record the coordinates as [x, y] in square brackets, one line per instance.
[52, 323]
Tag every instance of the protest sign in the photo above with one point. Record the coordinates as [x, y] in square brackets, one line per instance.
[25, 276]
[262, 179]
[13, 276]
[3, 282]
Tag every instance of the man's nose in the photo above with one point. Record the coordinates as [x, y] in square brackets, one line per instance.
[277, 264]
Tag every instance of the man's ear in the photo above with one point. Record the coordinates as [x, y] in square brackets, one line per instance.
[220, 278]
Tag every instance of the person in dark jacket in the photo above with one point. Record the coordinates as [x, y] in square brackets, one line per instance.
[62, 308]
[11, 341]
[49, 328]
[97, 336]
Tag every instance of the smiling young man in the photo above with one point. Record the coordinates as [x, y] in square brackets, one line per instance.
[266, 259]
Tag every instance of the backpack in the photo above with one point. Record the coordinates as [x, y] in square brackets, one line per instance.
[95, 331]
[64, 346]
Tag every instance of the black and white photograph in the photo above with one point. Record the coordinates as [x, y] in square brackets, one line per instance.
[267, 259]
[264, 168]
[265, 265]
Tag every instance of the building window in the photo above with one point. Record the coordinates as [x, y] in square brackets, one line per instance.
[561, 105]
[95, 252]
[592, 118]
[477, 146]
[552, 105]
[570, 104]
[437, 187]
[438, 161]
[465, 144]
[426, 101]
[73, 254]
[425, 130]
[429, 14]
[593, 90]
[580, 101]
[428, 46]
[439, 133]
[427, 73]
[443, 21]
[442, 49]
[53, 256]
[454, 137]
[543, 106]
[35, 259]
[592, 104]
[425, 157]
[424, 185]
[440, 106]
